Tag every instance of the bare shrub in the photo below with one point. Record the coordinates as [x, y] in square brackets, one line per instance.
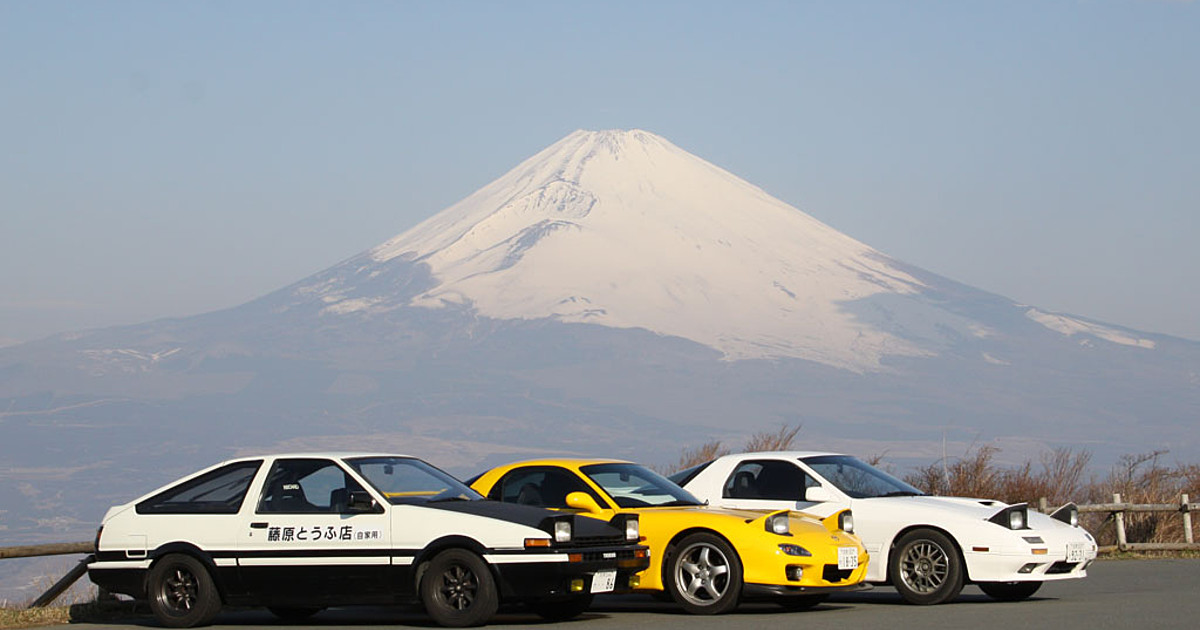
[697, 455]
[780, 440]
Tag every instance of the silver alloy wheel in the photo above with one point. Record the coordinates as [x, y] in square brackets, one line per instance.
[702, 573]
[925, 566]
[179, 591]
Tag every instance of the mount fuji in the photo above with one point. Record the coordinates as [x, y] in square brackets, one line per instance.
[612, 295]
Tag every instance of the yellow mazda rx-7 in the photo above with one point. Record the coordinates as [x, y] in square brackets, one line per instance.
[706, 559]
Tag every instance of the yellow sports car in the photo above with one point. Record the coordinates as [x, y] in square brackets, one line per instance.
[706, 559]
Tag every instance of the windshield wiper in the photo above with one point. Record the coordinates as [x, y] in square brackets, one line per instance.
[903, 493]
[453, 498]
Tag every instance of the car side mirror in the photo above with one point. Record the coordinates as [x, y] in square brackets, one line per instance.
[583, 501]
[817, 494]
[361, 501]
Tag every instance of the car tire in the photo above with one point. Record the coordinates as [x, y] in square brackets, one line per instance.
[458, 589]
[182, 592]
[802, 602]
[925, 567]
[293, 614]
[1009, 591]
[704, 574]
[562, 609]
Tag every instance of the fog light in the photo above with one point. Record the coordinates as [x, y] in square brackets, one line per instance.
[576, 586]
[635, 581]
[1028, 568]
[794, 572]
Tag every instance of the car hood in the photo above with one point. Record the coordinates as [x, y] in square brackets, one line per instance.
[962, 507]
[731, 513]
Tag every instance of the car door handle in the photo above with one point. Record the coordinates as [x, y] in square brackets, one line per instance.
[258, 525]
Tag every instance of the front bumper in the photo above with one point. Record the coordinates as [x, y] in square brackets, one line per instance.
[1021, 565]
[549, 580]
[771, 591]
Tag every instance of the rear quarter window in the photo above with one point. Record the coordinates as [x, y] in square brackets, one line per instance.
[220, 491]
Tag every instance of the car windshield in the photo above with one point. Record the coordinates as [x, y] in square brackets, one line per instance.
[632, 486]
[408, 481]
[858, 479]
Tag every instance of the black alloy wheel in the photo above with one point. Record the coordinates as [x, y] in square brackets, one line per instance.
[182, 593]
[458, 589]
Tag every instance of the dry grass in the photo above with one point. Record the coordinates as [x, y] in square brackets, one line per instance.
[91, 611]
[30, 617]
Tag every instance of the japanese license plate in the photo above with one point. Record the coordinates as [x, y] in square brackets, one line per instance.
[604, 581]
[847, 557]
[1076, 552]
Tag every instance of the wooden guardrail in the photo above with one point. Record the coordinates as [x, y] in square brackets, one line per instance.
[1118, 509]
[53, 549]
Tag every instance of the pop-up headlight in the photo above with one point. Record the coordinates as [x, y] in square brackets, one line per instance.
[846, 522]
[627, 523]
[1012, 517]
[1068, 514]
[779, 524]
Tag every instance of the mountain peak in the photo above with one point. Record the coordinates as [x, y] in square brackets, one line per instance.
[624, 229]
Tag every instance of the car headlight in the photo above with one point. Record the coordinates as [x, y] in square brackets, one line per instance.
[846, 522]
[632, 530]
[1012, 517]
[562, 531]
[1068, 514]
[779, 524]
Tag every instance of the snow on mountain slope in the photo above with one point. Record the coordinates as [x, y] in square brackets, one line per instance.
[624, 229]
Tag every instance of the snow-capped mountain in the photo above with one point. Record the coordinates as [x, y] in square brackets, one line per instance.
[613, 295]
[626, 230]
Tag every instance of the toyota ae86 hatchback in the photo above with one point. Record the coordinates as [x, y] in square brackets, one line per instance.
[298, 533]
[928, 547]
[706, 560]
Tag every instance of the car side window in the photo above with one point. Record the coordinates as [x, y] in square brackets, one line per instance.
[217, 492]
[546, 487]
[301, 486]
[767, 479]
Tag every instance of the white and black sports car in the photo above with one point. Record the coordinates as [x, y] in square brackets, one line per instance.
[298, 533]
[927, 547]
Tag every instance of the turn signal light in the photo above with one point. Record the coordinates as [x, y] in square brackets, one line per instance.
[537, 542]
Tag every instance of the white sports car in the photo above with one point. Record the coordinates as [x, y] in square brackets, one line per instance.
[297, 533]
[925, 546]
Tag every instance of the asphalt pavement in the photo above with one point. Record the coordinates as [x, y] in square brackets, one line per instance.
[1157, 593]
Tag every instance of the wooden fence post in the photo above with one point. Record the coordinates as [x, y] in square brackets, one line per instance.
[1187, 519]
[1043, 506]
[1120, 517]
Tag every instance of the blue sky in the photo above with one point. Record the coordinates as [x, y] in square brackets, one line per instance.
[166, 159]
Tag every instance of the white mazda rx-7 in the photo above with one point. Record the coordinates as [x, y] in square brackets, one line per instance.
[927, 547]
